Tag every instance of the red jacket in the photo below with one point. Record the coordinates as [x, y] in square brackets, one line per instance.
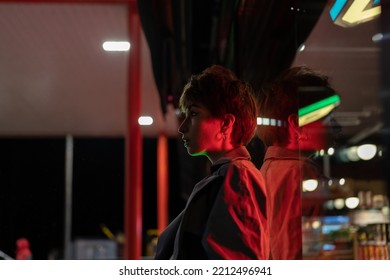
[283, 171]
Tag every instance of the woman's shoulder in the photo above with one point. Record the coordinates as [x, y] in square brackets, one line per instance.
[243, 170]
[244, 165]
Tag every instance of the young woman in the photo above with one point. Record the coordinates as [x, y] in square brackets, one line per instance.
[225, 215]
[290, 138]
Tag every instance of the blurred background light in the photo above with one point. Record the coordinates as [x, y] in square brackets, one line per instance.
[309, 185]
[316, 224]
[352, 202]
[377, 37]
[339, 203]
[367, 151]
[145, 120]
[329, 205]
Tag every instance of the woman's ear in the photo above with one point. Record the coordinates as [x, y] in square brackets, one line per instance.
[228, 121]
[295, 129]
[293, 122]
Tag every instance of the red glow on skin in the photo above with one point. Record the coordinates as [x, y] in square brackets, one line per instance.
[201, 133]
[317, 137]
[313, 136]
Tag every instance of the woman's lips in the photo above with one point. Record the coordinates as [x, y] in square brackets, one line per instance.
[186, 142]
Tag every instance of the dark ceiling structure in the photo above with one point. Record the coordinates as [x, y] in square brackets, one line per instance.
[256, 39]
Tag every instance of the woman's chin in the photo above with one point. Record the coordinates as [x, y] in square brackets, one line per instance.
[195, 153]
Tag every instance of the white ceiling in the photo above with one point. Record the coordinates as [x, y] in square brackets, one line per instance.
[56, 79]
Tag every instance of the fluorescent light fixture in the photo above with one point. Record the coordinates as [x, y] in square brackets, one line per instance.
[116, 46]
[317, 110]
[270, 122]
[145, 120]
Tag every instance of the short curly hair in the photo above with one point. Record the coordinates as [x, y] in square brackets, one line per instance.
[293, 89]
[221, 92]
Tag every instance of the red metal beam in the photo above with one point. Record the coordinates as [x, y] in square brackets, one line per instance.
[133, 147]
[162, 182]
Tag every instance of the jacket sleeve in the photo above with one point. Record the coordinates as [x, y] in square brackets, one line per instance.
[166, 240]
[237, 226]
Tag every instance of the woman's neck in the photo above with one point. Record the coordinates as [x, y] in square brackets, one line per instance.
[217, 155]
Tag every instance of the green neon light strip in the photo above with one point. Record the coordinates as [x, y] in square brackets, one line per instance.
[316, 115]
[335, 99]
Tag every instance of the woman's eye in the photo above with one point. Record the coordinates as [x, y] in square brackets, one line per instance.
[193, 113]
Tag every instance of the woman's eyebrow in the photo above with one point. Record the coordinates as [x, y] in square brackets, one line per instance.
[196, 106]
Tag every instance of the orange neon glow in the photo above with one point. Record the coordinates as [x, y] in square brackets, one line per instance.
[162, 182]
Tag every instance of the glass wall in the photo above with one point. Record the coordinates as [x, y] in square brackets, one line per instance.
[345, 214]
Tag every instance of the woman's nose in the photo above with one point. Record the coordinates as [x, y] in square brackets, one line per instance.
[182, 128]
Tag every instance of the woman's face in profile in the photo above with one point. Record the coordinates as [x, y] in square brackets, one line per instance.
[200, 131]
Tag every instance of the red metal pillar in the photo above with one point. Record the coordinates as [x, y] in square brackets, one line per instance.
[162, 182]
[133, 143]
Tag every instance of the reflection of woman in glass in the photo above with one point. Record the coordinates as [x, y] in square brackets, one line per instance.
[225, 216]
[295, 120]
